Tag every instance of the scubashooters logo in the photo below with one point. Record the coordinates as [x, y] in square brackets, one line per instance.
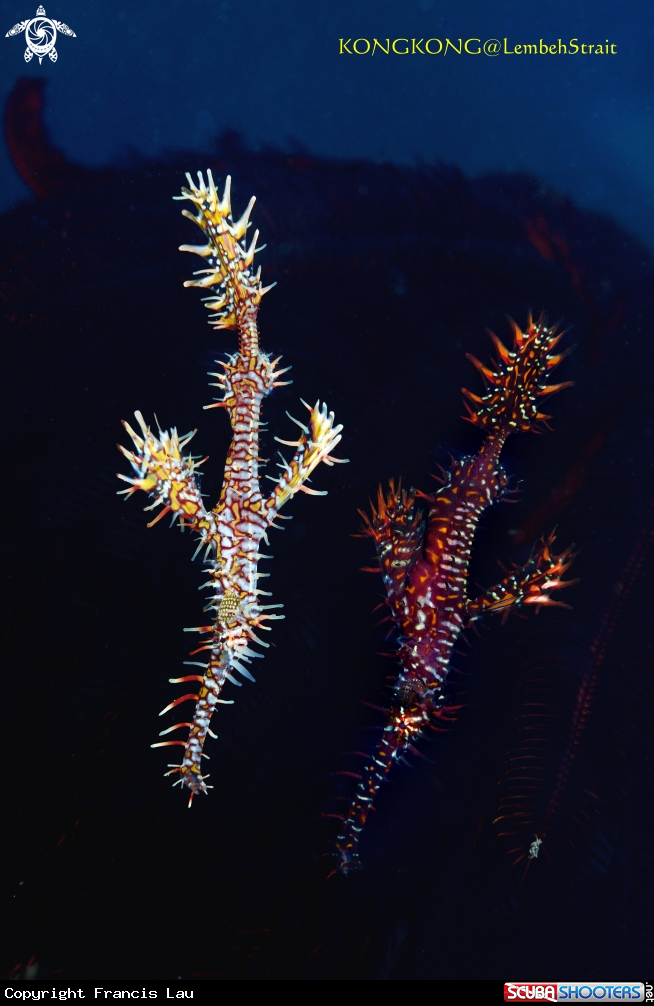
[573, 992]
[40, 35]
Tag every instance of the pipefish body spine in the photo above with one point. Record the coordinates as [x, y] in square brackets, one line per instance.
[232, 531]
[424, 558]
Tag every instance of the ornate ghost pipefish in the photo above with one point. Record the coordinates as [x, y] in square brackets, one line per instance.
[424, 559]
[231, 532]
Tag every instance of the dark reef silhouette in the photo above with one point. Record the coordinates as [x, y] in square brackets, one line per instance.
[386, 275]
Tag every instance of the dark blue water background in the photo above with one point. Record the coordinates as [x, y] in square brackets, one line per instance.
[153, 77]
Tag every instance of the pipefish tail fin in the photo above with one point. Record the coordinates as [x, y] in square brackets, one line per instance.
[516, 382]
[234, 288]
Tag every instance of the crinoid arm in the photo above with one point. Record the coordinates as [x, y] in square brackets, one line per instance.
[517, 380]
[529, 584]
[397, 526]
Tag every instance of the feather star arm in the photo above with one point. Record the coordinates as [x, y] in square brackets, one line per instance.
[231, 532]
